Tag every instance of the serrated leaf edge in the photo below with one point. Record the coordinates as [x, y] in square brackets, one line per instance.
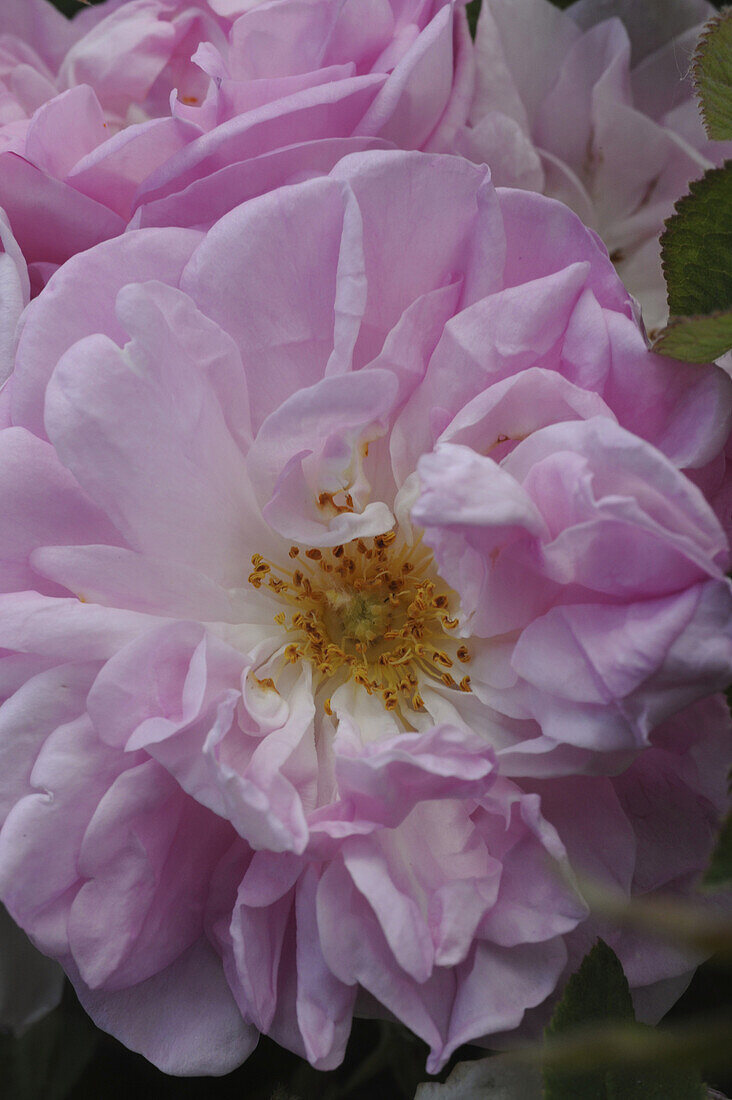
[702, 45]
[676, 323]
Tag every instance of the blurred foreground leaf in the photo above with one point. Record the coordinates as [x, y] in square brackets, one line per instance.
[719, 872]
[687, 924]
[713, 75]
[599, 993]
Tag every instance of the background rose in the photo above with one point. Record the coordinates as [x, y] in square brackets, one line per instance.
[184, 401]
[86, 118]
[594, 106]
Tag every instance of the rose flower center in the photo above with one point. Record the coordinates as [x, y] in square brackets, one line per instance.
[368, 611]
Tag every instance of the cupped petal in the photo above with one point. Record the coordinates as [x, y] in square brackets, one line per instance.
[595, 65]
[118, 577]
[515, 407]
[324, 1005]
[387, 779]
[145, 860]
[356, 951]
[544, 236]
[413, 247]
[55, 322]
[278, 40]
[286, 338]
[594, 474]
[40, 24]
[323, 111]
[70, 777]
[47, 504]
[278, 971]
[204, 201]
[112, 172]
[410, 105]
[122, 56]
[161, 683]
[536, 902]
[648, 29]
[161, 1018]
[67, 628]
[310, 451]
[616, 672]
[144, 433]
[51, 221]
[64, 130]
[482, 541]
[684, 411]
[497, 989]
[178, 693]
[498, 337]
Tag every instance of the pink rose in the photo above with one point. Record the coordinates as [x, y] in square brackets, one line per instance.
[649, 829]
[595, 106]
[135, 100]
[314, 520]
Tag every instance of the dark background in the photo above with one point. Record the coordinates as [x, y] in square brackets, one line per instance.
[67, 1058]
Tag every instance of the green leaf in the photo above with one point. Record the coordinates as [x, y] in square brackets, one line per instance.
[719, 871]
[596, 993]
[473, 11]
[696, 339]
[599, 993]
[696, 246]
[713, 75]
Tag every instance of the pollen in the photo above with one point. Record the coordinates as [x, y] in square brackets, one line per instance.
[371, 611]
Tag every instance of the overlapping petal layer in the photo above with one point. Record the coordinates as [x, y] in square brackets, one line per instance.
[594, 105]
[326, 520]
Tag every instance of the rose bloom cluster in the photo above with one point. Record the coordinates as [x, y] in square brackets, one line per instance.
[363, 574]
[160, 112]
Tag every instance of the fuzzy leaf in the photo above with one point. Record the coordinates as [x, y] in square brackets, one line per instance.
[696, 247]
[713, 75]
[599, 993]
[696, 339]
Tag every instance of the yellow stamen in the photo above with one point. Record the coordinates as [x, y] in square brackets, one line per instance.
[367, 610]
